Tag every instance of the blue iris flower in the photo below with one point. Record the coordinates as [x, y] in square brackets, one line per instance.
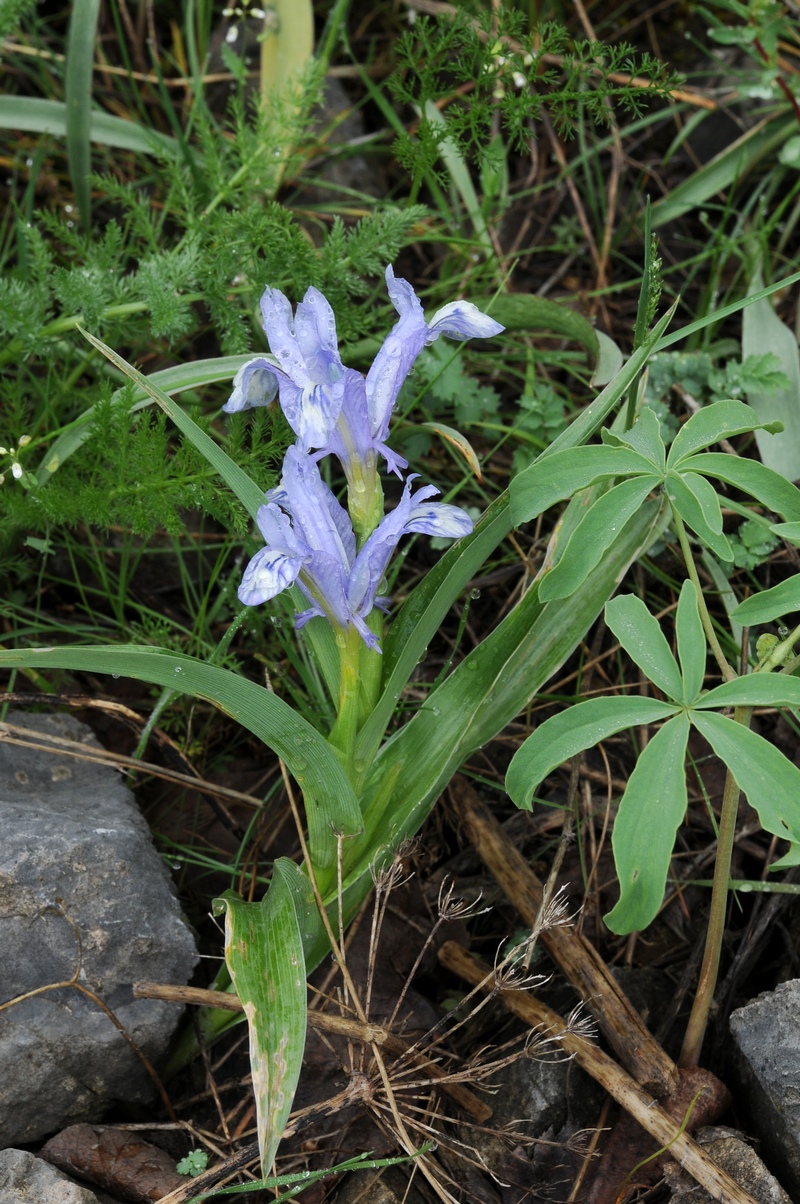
[310, 540]
[331, 408]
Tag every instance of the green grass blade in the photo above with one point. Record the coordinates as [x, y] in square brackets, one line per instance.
[264, 953]
[78, 94]
[717, 315]
[330, 801]
[36, 116]
[651, 810]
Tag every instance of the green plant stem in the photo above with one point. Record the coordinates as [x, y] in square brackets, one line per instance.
[344, 731]
[704, 996]
[727, 672]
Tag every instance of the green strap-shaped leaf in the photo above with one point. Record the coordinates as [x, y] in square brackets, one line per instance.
[762, 330]
[721, 420]
[690, 510]
[752, 477]
[580, 727]
[644, 437]
[330, 801]
[649, 814]
[754, 690]
[556, 477]
[264, 953]
[37, 116]
[594, 535]
[770, 604]
[245, 488]
[645, 643]
[692, 648]
[768, 778]
[78, 94]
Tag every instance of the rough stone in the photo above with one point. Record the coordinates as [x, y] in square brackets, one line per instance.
[731, 1151]
[26, 1179]
[767, 1065]
[77, 861]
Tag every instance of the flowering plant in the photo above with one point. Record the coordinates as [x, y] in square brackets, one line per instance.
[364, 792]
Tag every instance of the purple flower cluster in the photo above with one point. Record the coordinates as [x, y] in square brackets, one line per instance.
[334, 410]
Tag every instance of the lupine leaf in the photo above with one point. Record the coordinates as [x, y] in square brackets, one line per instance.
[692, 648]
[768, 778]
[752, 477]
[594, 535]
[649, 814]
[558, 476]
[264, 954]
[770, 604]
[788, 531]
[706, 497]
[720, 420]
[754, 690]
[645, 643]
[576, 729]
[692, 514]
[643, 437]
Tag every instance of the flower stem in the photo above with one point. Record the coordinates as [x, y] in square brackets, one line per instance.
[704, 996]
[343, 733]
[727, 672]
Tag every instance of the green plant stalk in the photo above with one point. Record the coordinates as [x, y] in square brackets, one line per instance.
[704, 995]
[344, 731]
[708, 627]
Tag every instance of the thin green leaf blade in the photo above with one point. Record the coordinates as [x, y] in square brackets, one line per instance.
[645, 643]
[711, 424]
[34, 115]
[691, 511]
[692, 648]
[579, 728]
[770, 604]
[555, 477]
[592, 537]
[245, 488]
[78, 94]
[264, 954]
[649, 815]
[753, 477]
[329, 798]
[768, 778]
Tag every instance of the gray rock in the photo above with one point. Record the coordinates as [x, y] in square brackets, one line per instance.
[767, 1043]
[731, 1151]
[26, 1179]
[77, 861]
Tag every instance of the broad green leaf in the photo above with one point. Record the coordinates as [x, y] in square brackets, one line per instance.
[264, 953]
[558, 476]
[609, 361]
[768, 778]
[245, 488]
[720, 420]
[78, 95]
[754, 478]
[37, 116]
[644, 437]
[574, 730]
[594, 535]
[192, 375]
[728, 167]
[754, 690]
[763, 330]
[706, 497]
[329, 798]
[692, 647]
[527, 312]
[770, 604]
[645, 643]
[788, 531]
[650, 812]
[691, 512]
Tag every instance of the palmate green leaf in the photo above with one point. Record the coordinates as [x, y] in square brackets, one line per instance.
[690, 510]
[594, 535]
[580, 727]
[768, 778]
[720, 420]
[645, 643]
[264, 954]
[558, 476]
[78, 95]
[329, 798]
[37, 116]
[753, 477]
[754, 690]
[644, 437]
[692, 647]
[650, 812]
[770, 604]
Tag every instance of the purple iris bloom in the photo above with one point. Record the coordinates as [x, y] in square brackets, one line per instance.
[333, 409]
[309, 539]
